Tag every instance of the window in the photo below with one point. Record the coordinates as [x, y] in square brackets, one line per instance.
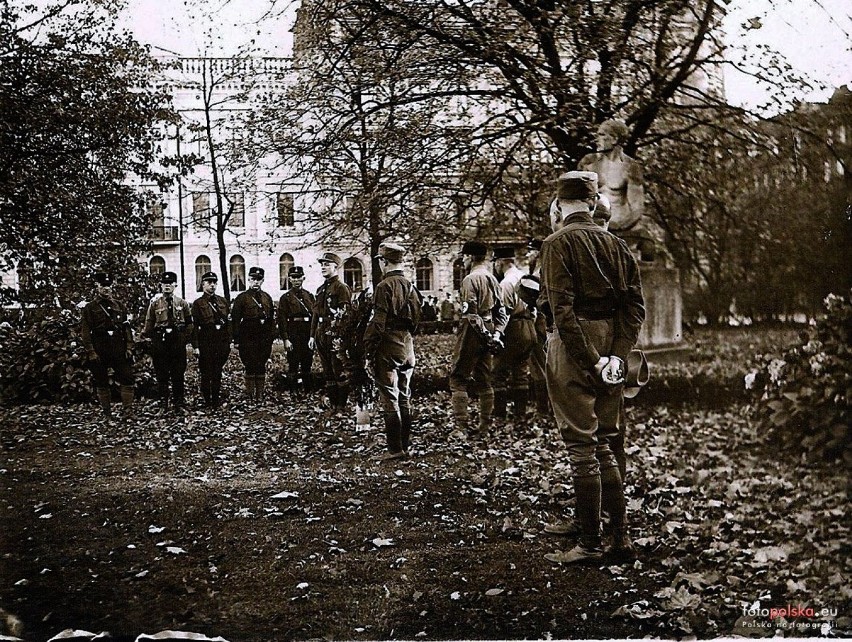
[236, 204]
[423, 274]
[157, 265]
[156, 213]
[238, 273]
[284, 265]
[458, 273]
[201, 209]
[286, 210]
[202, 266]
[353, 274]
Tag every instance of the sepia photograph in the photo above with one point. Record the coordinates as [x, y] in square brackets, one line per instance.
[383, 320]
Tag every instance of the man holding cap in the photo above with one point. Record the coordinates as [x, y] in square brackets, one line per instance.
[168, 324]
[479, 333]
[108, 340]
[294, 327]
[253, 328]
[390, 347]
[212, 338]
[333, 297]
[591, 282]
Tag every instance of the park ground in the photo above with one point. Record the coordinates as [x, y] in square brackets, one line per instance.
[274, 522]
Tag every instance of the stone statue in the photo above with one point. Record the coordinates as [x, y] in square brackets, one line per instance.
[620, 179]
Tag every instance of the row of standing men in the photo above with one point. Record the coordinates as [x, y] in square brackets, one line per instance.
[589, 281]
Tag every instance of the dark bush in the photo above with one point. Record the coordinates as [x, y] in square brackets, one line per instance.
[805, 393]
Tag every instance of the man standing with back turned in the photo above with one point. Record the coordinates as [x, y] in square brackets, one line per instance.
[591, 281]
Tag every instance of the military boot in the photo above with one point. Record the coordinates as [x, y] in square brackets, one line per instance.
[105, 400]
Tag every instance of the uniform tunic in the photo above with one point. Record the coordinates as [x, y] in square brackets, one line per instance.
[108, 340]
[511, 366]
[168, 323]
[591, 282]
[482, 308]
[253, 328]
[212, 337]
[295, 310]
[333, 296]
[388, 340]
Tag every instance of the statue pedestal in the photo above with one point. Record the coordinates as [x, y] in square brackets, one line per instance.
[662, 334]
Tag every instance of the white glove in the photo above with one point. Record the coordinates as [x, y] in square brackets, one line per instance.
[312, 343]
[288, 345]
[614, 371]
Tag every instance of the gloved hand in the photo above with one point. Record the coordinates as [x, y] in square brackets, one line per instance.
[288, 345]
[496, 343]
[614, 371]
[312, 343]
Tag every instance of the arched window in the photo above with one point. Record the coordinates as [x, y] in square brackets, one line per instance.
[238, 273]
[284, 265]
[353, 274]
[458, 273]
[202, 266]
[157, 265]
[423, 272]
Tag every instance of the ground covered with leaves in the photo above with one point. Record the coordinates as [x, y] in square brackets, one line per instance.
[275, 521]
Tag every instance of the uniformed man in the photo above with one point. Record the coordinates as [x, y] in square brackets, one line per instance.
[390, 347]
[168, 324]
[478, 336]
[108, 340]
[511, 365]
[591, 282]
[530, 290]
[253, 329]
[211, 339]
[333, 297]
[294, 327]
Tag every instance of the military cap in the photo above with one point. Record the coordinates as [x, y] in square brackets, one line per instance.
[103, 278]
[391, 252]
[535, 244]
[168, 277]
[577, 186]
[504, 252]
[256, 273]
[474, 248]
[296, 272]
[210, 276]
[330, 257]
[638, 373]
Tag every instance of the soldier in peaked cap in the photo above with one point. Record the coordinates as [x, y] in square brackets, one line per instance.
[511, 365]
[168, 324]
[253, 329]
[211, 339]
[333, 297]
[479, 334]
[108, 340]
[591, 283]
[294, 327]
[390, 347]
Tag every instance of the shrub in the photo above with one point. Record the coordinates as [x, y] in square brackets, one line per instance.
[42, 359]
[805, 400]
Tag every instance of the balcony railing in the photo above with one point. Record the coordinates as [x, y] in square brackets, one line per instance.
[167, 233]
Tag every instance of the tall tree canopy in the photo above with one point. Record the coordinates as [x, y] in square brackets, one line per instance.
[80, 109]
